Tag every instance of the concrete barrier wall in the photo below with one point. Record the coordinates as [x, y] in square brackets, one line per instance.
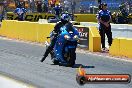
[35, 32]
[94, 39]
[24, 30]
[121, 47]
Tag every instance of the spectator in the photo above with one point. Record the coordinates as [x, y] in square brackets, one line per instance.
[39, 6]
[32, 5]
[45, 6]
[128, 7]
[57, 11]
[66, 5]
[20, 12]
[73, 6]
[81, 9]
[52, 3]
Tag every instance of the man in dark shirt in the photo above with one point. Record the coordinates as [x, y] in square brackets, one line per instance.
[39, 6]
[104, 18]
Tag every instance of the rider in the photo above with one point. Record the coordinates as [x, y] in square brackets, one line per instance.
[65, 18]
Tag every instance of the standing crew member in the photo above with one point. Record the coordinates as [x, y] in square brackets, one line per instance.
[64, 19]
[57, 10]
[104, 18]
[20, 11]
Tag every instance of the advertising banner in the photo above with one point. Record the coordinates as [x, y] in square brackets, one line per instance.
[84, 37]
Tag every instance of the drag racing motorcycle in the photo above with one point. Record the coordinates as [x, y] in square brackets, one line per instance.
[64, 51]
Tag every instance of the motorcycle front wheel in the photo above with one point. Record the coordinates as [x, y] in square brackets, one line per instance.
[72, 57]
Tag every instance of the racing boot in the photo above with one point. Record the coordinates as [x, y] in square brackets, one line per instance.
[43, 59]
[48, 50]
[45, 55]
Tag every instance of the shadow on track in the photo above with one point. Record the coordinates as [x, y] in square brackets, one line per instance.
[82, 66]
[77, 66]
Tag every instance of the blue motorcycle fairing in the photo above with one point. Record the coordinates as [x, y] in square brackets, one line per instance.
[71, 46]
[59, 46]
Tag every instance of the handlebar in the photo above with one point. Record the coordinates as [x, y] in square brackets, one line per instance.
[48, 37]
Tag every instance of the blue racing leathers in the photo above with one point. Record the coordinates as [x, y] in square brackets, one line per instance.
[105, 17]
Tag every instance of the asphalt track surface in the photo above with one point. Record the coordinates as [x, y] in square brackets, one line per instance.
[21, 61]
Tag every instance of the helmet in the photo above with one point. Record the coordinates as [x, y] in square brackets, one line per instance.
[65, 18]
[19, 5]
[104, 4]
[69, 26]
